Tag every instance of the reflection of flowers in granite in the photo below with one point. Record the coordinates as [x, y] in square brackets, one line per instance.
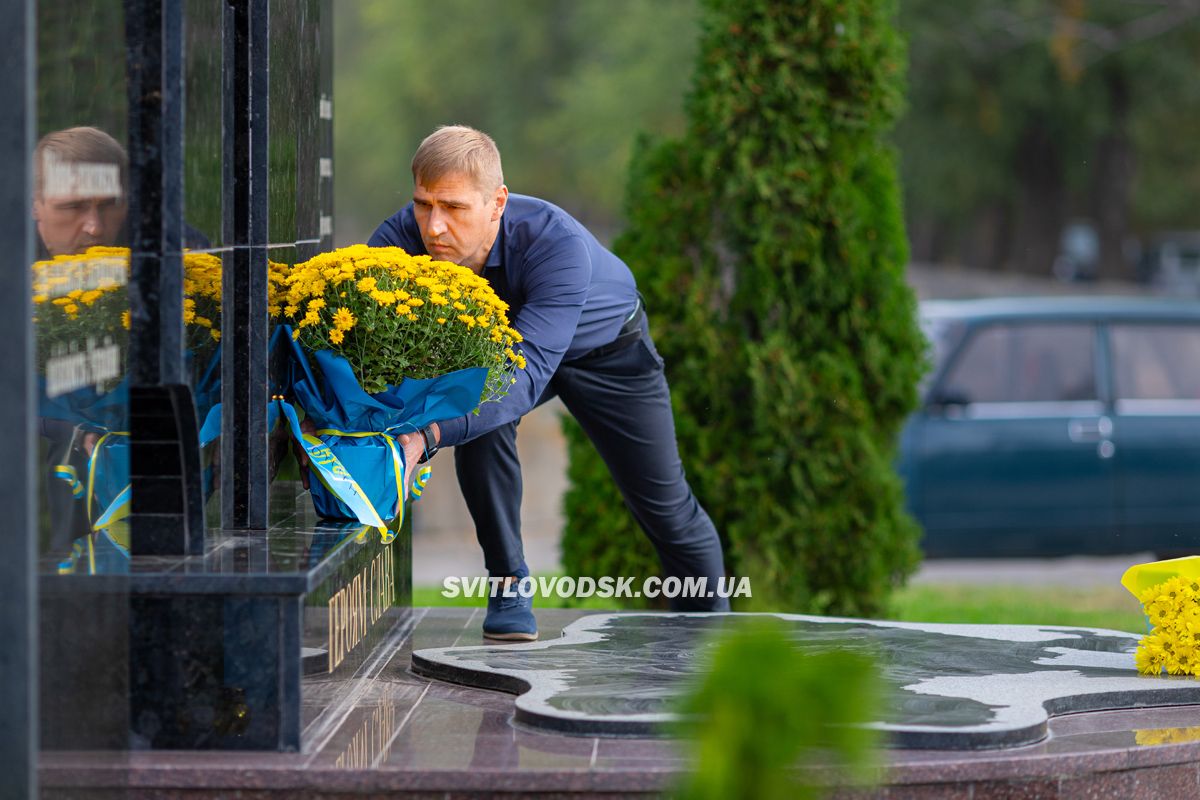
[81, 315]
[202, 296]
[1173, 608]
[201, 299]
[85, 291]
[1167, 735]
[394, 316]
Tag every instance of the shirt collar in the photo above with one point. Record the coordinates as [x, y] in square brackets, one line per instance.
[495, 257]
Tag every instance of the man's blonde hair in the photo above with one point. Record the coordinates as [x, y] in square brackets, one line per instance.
[457, 148]
[75, 145]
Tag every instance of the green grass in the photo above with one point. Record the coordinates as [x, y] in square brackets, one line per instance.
[1091, 607]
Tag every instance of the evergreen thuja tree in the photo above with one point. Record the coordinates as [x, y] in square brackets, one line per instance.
[770, 247]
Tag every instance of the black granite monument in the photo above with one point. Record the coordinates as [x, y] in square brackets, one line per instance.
[186, 598]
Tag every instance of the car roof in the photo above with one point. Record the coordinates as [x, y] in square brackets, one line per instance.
[1062, 307]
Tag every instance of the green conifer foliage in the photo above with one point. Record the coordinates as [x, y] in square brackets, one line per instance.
[769, 244]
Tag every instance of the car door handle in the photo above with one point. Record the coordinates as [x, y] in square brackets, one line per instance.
[1089, 430]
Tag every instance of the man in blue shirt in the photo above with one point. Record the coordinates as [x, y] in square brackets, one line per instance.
[586, 341]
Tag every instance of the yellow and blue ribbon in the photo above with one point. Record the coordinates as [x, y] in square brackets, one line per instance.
[67, 473]
[119, 507]
[330, 472]
[419, 479]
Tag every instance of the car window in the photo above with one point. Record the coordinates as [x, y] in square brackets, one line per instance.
[1156, 362]
[1025, 363]
[940, 333]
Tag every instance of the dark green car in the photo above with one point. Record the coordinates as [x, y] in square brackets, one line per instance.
[1056, 426]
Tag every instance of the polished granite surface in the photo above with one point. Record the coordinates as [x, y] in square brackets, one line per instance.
[948, 686]
[294, 555]
[252, 645]
[409, 735]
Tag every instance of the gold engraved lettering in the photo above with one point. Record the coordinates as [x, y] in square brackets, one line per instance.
[358, 605]
[332, 631]
[372, 742]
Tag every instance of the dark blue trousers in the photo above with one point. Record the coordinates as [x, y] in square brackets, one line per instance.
[622, 402]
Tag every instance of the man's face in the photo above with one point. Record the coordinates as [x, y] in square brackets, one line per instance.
[70, 225]
[458, 221]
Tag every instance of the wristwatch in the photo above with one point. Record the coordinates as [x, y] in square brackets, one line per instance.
[431, 445]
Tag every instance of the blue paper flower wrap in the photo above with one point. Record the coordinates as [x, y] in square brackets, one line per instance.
[361, 431]
[104, 487]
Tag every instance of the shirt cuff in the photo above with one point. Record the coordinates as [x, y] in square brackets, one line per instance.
[451, 431]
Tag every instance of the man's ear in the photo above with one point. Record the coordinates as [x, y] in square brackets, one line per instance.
[37, 215]
[500, 200]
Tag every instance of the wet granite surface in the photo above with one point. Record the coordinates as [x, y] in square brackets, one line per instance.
[405, 735]
[948, 686]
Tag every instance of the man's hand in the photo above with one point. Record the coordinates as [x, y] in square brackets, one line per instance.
[414, 445]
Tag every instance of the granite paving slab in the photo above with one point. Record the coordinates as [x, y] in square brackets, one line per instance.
[956, 687]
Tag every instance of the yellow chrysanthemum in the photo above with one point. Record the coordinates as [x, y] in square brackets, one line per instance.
[343, 319]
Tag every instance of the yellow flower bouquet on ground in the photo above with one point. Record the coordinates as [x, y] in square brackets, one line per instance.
[1169, 592]
[398, 341]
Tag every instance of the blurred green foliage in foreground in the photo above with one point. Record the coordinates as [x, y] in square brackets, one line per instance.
[766, 714]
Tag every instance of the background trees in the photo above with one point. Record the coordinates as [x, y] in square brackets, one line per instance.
[769, 244]
[1021, 115]
[1027, 114]
[562, 85]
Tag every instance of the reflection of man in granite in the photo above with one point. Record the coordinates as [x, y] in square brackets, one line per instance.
[79, 175]
[586, 341]
[78, 196]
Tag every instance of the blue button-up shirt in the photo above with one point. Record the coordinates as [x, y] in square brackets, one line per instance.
[566, 293]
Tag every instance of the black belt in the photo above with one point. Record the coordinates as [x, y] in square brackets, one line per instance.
[630, 332]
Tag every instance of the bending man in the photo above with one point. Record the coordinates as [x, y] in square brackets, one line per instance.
[586, 342]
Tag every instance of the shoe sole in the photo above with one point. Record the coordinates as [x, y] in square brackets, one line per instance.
[516, 636]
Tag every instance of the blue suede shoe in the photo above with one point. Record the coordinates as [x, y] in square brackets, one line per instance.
[510, 618]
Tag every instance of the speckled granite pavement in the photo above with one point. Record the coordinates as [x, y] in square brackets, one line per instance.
[406, 735]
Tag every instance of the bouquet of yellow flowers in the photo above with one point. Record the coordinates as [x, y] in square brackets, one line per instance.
[399, 341]
[394, 316]
[1169, 592]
